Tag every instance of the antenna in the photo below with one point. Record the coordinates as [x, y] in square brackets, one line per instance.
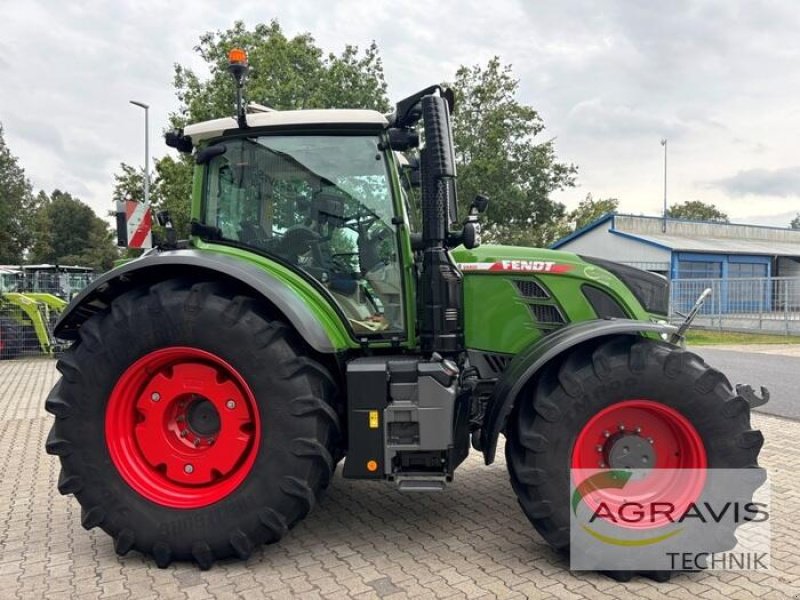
[239, 67]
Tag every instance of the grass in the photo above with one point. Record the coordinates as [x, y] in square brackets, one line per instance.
[706, 337]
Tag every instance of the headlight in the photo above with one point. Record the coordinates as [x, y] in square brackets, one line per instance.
[651, 290]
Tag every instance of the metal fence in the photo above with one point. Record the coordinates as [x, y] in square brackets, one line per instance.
[766, 304]
[31, 300]
[26, 327]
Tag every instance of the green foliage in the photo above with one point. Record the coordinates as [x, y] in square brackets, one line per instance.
[694, 210]
[590, 210]
[499, 153]
[129, 183]
[285, 74]
[174, 184]
[16, 197]
[67, 231]
[795, 223]
[170, 189]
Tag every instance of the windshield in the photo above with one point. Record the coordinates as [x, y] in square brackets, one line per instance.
[321, 203]
[9, 282]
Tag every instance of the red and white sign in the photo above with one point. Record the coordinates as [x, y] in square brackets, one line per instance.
[518, 266]
[140, 224]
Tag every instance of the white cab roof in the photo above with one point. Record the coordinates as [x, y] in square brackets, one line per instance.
[285, 118]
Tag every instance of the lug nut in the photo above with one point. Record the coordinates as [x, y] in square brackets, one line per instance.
[230, 404]
[184, 433]
[196, 442]
[606, 434]
[650, 441]
[638, 430]
[155, 396]
[621, 427]
[602, 465]
[189, 469]
[599, 448]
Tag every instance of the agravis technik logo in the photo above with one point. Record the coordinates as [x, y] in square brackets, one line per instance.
[643, 519]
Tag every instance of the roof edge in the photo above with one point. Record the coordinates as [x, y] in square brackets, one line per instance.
[580, 231]
[729, 224]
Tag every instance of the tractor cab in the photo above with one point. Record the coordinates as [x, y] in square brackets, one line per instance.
[320, 202]
[62, 281]
[10, 280]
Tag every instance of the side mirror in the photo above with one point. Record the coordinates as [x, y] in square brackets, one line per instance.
[206, 154]
[479, 204]
[175, 139]
[471, 235]
[403, 138]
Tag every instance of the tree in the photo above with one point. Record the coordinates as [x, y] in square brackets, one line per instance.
[795, 223]
[498, 153]
[69, 232]
[170, 189]
[694, 210]
[16, 197]
[41, 228]
[286, 74]
[590, 210]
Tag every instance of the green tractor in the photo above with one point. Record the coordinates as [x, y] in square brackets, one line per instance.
[213, 385]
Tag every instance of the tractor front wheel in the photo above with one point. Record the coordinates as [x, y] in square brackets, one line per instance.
[626, 403]
[190, 425]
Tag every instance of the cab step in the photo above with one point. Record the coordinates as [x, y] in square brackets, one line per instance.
[421, 483]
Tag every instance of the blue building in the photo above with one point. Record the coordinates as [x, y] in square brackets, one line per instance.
[739, 262]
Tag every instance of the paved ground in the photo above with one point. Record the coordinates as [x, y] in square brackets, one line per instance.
[364, 540]
[775, 366]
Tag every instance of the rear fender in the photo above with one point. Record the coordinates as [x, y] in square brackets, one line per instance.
[161, 266]
[525, 366]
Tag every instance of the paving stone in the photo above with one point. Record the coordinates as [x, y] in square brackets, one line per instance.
[362, 540]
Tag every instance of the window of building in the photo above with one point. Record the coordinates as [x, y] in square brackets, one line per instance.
[741, 270]
[699, 269]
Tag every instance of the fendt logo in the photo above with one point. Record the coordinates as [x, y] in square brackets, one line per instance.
[526, 266]
[538, 266]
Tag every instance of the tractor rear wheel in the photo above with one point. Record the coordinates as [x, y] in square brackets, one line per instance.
[190, 425]
[679, 412]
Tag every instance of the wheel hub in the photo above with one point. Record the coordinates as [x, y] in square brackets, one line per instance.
[629, 451]
[182, 427]
[202, 418]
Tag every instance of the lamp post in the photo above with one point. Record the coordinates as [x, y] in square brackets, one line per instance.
[146, 148]
[664, 224]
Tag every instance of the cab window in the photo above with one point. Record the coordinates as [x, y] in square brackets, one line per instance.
[322, 204]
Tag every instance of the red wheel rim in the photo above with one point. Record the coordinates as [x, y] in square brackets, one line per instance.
[182, 427]
[622, 436]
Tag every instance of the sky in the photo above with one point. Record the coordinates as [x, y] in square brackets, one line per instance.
[719, 80]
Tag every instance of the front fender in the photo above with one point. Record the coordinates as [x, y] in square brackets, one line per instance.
[526, 364]
[163, 265]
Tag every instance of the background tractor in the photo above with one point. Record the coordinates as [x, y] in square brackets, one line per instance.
[214, 384]
[26, 317]
[62, 281]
